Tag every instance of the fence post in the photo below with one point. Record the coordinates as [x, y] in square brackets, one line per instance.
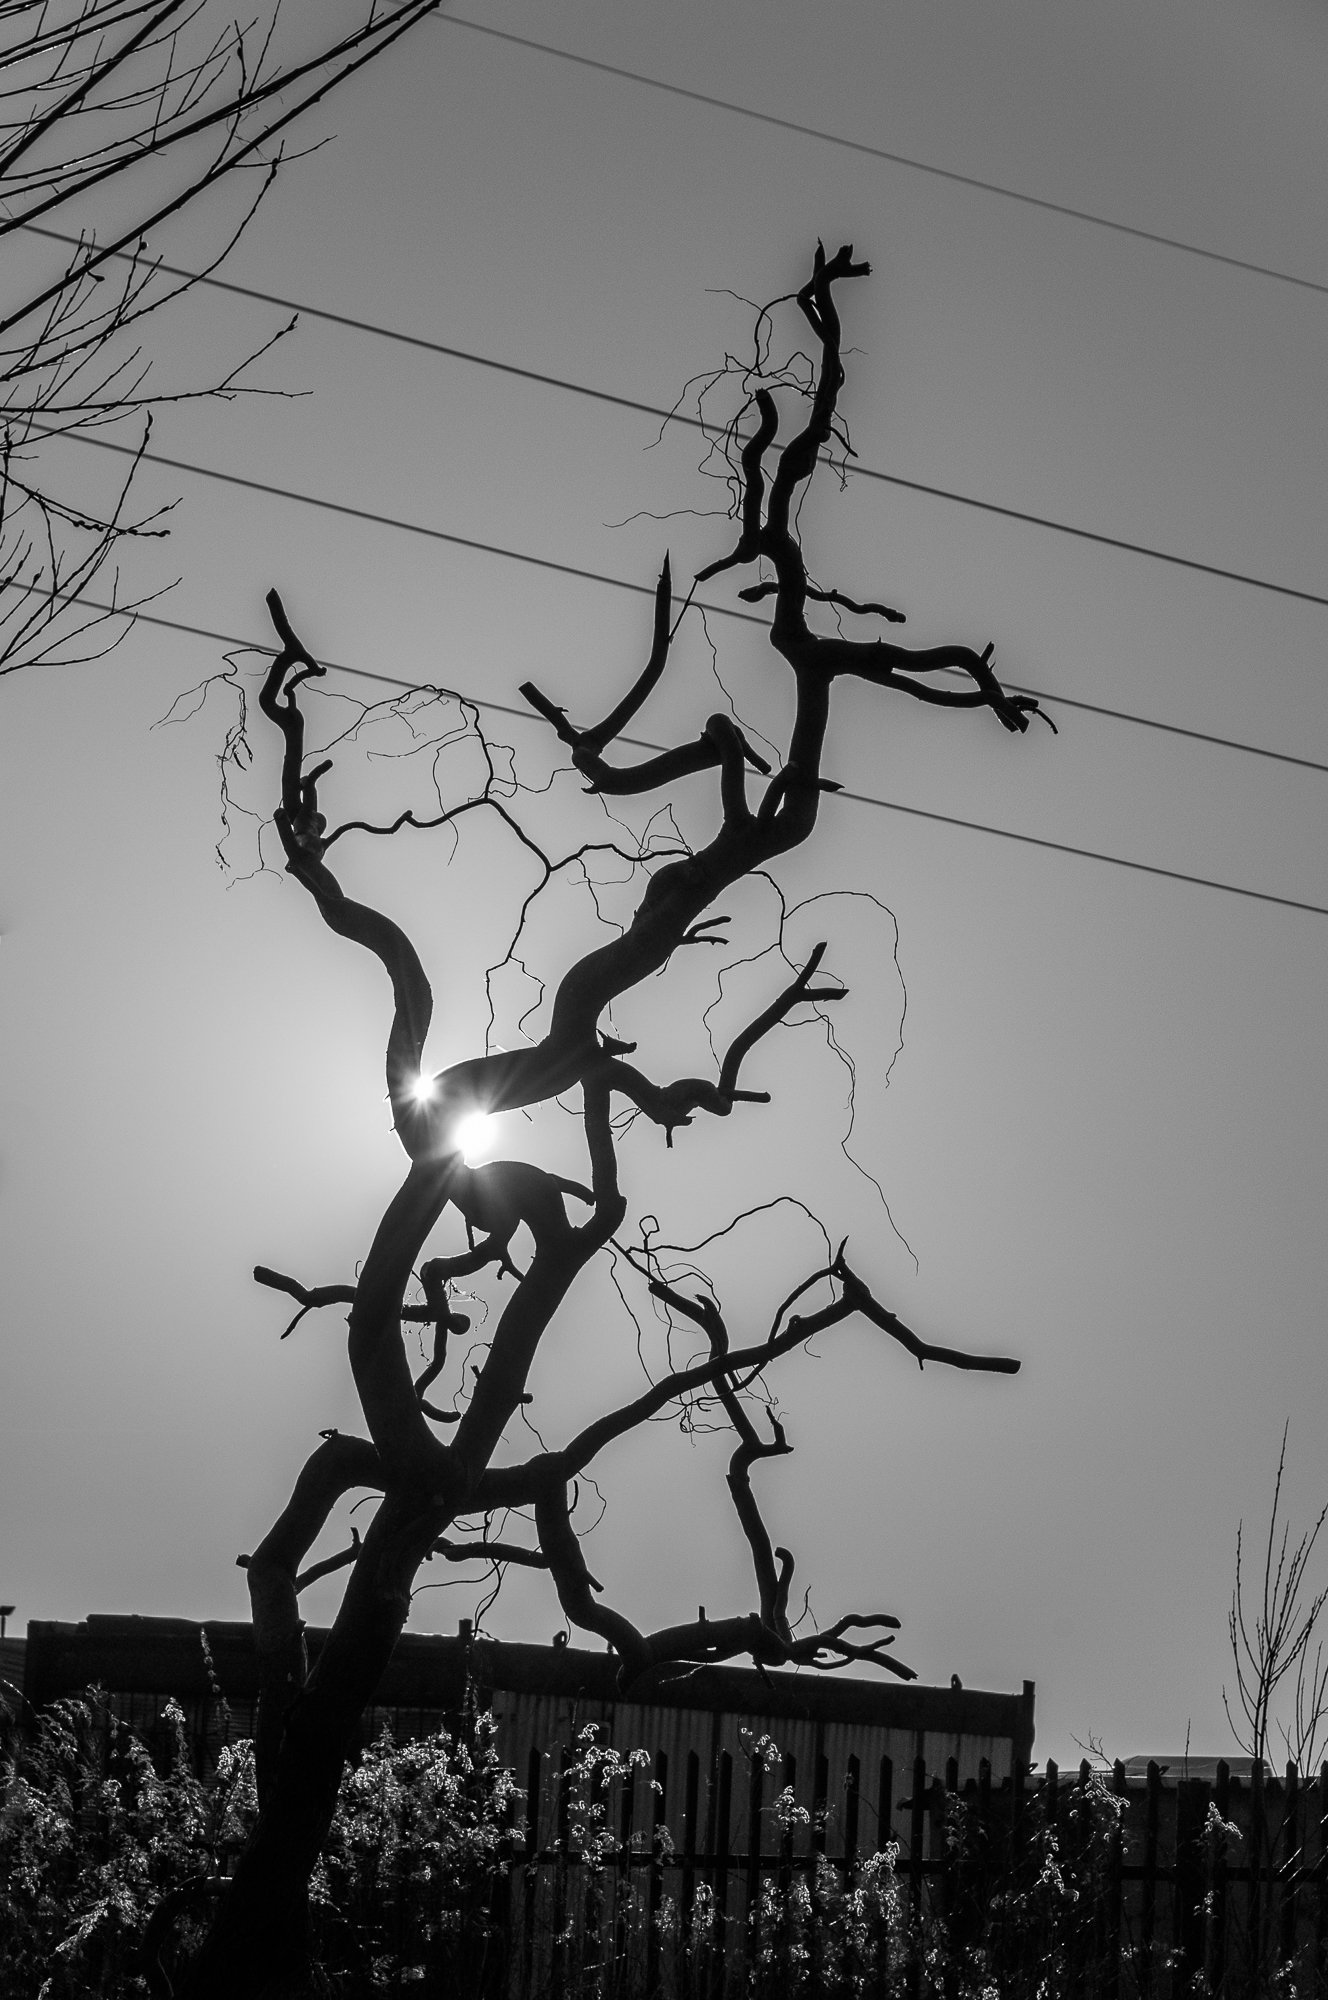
[592, 1887]
[974, 1854]
[1051, 1820]
[719, 1943]
[784, 1924]
[1321, 1892]
[497, 1943]
[1018, 1808]
[916, 1829]
[656, 1891]
[820, 1804]
[689, 1814]
[557, 1962]
[885, 1803]
[816, 1851]
[530, 1876]
[1217, 1957]
[1188, 1925]
[946, 1824]
[1290, 1869]
[981, 1883]
[1085, 1917]
[623, 1900]
[1116, 1884]
[1148, 1894]
[755, 1788]
[790, 1775]
[1014, 1844]
[1254, 1903]
[1078, 1943]
[852, 1796]
[855, 1967]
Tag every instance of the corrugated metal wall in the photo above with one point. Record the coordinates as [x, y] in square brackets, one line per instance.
[549, 1724]
[829, 1735]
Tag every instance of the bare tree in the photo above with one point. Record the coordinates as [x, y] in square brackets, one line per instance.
[1273, 1635]
[116, 115]
[451, 1483]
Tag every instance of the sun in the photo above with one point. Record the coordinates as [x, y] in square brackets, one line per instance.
[475, 1136]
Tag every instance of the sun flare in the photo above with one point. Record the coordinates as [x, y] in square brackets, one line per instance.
[422, 1089]
[475, 1135]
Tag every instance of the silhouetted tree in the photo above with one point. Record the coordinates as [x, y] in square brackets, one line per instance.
[116, 115]
[451, 1492]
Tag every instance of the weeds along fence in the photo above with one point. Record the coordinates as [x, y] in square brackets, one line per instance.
[746, 1835]
[638, 1876]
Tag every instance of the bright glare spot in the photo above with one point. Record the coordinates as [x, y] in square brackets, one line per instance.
[475, 1136]
[422, 1089]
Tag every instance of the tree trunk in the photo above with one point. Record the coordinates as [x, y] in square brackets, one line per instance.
[259, 1945]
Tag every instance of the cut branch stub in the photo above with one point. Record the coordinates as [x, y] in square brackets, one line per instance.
[721, 737]
[618, 718]
[310, 1297]
[313, 1296]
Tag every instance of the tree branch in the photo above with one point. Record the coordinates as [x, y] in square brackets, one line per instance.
[300, 828]
[492, 1552]
[772, 1581]
[859, 1299]
[521, 1484]
[702, 1641]
[755, 593]
[673, 1104]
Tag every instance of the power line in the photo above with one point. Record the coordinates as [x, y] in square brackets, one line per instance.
[404, 526]
[894, 159]
[657, 410]
[1092, 535]
[643, 743]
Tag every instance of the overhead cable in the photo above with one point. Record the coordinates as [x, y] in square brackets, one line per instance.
[894, 159]
[611, 582]
[643, 743]
[854, 469]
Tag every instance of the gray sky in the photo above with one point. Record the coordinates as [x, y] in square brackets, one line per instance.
[1104, 1138]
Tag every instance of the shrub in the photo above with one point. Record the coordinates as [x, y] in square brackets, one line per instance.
[94, 1835]
[416, 1885]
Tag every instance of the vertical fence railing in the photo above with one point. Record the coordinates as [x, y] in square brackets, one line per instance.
[1321, 1874]
[710, 1881]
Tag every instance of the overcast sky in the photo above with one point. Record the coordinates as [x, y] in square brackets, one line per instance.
[1103, 1142]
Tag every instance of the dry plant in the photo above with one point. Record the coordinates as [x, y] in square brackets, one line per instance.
[1272, 1636]
[115, 116]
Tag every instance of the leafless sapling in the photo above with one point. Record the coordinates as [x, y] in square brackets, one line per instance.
[1272, 1635]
